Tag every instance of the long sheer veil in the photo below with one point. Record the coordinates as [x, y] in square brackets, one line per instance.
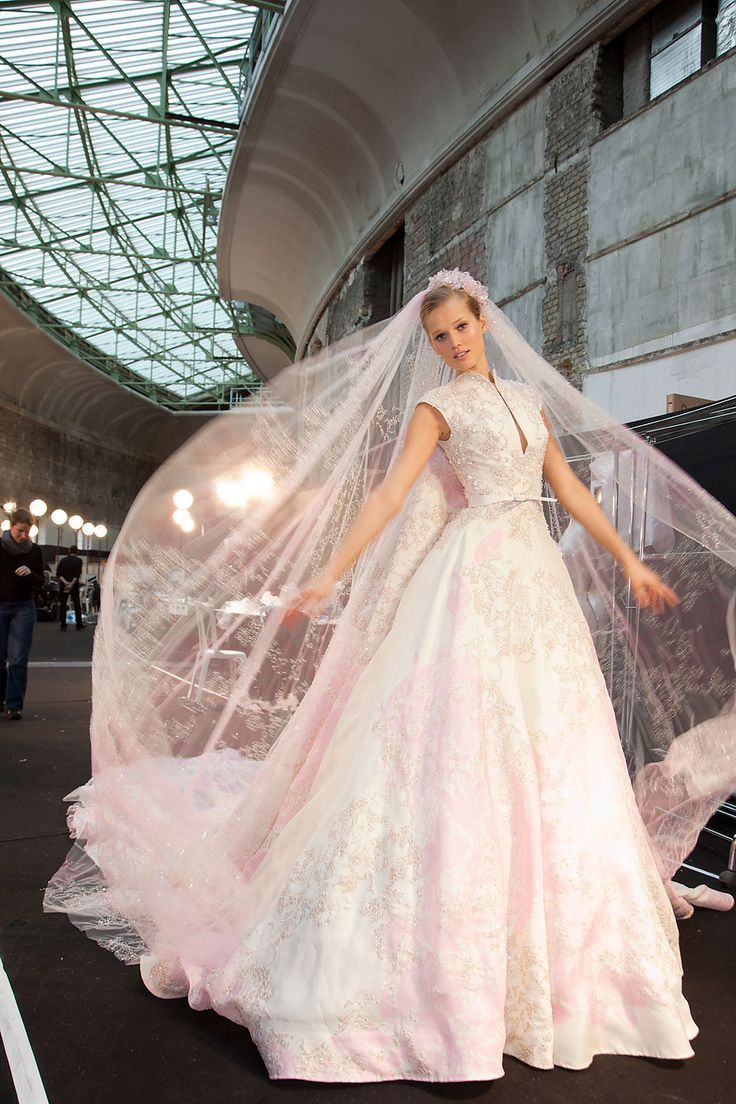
[211, 713]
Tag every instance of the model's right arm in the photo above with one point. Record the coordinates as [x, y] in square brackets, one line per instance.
[424, 431]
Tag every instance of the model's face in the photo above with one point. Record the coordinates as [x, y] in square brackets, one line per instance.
[457, 335]
[20, 532]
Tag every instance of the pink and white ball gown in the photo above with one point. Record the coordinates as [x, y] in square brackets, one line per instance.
[462, 872]
[400, 840]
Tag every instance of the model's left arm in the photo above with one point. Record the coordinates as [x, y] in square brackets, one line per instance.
[648, 588]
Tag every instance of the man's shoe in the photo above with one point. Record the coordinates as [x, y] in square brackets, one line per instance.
[14, 714]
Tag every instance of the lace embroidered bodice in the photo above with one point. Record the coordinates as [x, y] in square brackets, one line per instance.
[485, 446]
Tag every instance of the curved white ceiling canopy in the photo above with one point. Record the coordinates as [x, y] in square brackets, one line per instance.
[41, 378]
[355, 107]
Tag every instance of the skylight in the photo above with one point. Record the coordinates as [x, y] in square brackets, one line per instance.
[117, 124]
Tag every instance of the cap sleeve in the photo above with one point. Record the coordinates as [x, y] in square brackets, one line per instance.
[440, 402]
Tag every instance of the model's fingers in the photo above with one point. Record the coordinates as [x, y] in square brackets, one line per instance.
[665, 597]
[672, 597]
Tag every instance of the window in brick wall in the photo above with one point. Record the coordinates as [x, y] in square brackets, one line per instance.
[676, 45]
[659, 51]
[384, 283]
[726, 26]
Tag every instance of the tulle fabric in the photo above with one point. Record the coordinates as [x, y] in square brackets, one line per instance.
[201, 689]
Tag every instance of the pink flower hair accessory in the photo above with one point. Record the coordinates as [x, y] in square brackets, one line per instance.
[462, 281]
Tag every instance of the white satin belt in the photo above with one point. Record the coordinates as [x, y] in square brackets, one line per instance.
[491, 499]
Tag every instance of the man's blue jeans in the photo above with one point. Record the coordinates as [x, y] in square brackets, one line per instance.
[16, 633]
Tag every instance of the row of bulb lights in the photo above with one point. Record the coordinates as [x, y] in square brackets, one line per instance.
[58, 518]
[253, 485]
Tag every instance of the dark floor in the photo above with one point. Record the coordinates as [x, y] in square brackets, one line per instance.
[100, 1038]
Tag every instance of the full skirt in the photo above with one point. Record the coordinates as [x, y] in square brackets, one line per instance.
[468, 875]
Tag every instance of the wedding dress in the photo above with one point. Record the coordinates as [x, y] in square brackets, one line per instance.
[440, 860]
[470, 875]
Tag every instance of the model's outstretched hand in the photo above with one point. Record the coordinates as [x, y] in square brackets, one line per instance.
[648, 589]
[310, 598]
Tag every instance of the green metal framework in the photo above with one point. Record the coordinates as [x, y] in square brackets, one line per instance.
[117, 124]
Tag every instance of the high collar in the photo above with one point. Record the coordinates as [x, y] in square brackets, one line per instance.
[478, 377]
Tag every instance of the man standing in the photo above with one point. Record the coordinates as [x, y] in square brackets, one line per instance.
[21, 569]
[69, 573]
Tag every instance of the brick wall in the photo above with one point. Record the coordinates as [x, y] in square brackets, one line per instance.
[37, 460]
[445, 228]
[343, 314]
[574, 119]
[602, 223]
[514, 210]
[566, 241]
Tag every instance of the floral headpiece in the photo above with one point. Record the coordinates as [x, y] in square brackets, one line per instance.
[461, 281]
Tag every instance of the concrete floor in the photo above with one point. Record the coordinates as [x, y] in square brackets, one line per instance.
[100, 1038]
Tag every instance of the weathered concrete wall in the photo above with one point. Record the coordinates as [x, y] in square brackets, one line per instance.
[663, 284]
[662, 267]
[676, 156]
[514, 246]
[484, 215]
[610, 247]
[515, 150]
[356, 109]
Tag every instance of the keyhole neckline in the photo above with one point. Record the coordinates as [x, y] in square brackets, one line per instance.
[520, 434]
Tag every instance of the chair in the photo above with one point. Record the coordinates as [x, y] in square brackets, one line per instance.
[209, 651]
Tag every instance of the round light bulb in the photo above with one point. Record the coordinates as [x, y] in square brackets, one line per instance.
[183, 499]
[59, 517]
[34, 532]
[88, 529]
[5, 525]
[9, 506]
[100, 531]
[76, 522]
[184, 520]
[38, 507]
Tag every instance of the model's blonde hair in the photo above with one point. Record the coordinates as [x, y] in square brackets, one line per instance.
[440, 295]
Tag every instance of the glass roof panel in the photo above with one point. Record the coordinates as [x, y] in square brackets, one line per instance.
[117, 124]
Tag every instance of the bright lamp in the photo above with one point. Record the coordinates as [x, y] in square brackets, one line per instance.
[184, 520]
